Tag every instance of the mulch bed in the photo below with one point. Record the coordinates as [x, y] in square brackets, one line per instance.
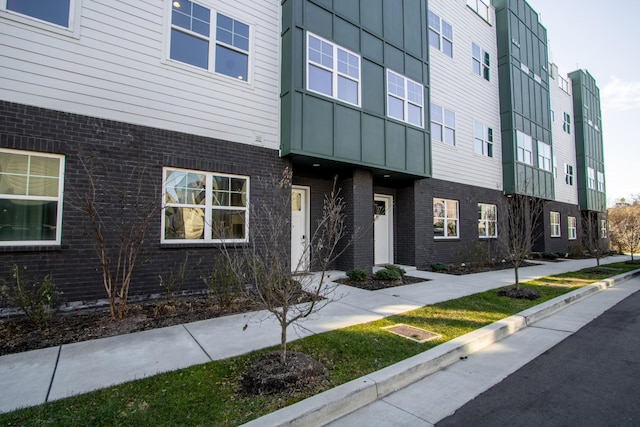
[373, 284]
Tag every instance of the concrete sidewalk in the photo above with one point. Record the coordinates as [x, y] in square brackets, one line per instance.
[39, 376]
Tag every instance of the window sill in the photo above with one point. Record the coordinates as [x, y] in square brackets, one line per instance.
[31, 248]
[182, 245]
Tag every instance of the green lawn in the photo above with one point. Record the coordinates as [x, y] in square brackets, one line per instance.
[208, 395]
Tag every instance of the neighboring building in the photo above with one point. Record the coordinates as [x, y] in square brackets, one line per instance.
[427, 112]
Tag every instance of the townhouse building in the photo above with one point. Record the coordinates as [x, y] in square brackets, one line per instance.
[427, 112]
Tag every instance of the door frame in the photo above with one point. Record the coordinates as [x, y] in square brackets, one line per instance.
[389, 202]
[307, 220]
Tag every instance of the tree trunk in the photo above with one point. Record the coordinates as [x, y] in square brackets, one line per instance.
[515, 271]
[283, 343]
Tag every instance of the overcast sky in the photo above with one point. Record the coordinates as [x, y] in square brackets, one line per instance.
[604, 38]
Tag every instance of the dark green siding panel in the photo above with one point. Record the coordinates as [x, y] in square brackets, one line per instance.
[296, 125]
[349, 8]
[347, 136]
[285, 124]
[416, 156]
[317, 132]
[393, 25]
[373, 140]
[372, 47]
[287, 64]
[318, 20]
[287, 15]
[374, 98]
[371, 15]
[346, 34]
[328, 4]
[396, 145]
[413, 68]
[394, 58]
[413, 35]
[299, 46]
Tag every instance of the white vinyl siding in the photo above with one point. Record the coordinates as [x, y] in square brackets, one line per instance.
[119, 70]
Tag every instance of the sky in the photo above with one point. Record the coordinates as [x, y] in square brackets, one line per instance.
[602, 37]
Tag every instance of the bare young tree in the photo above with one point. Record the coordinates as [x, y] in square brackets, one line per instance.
[264, 262]
[520, 221]
[592, 238]
[118, 216]
[624, 227]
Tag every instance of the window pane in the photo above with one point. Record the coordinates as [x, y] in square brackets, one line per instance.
[434, 39]
[348, 64]
[395, 84]
[436, 131]
[54, 11]
[452, 209]
[476, 67]
[478, 146]
[438, 208]
[347, 90]
[452, 228]
[447, 47]
[23, 220]
[447, 30]
[449, 136]
[414, 93]
[184, 188]
[320, 80]
[415, 115]
[183, 223]
[231, 63]
[436, 113]
[438, 228]
[189, 49]
[228, 224]
[396, 108]
[449, 118]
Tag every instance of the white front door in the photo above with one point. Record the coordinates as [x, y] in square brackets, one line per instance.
[383, 229]
[299, 229]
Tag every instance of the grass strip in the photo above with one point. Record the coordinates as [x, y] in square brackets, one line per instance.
[209, 395]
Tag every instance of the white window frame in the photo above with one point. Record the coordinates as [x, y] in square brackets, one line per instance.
[479, 65]
[487, 216]
[447, 217]
[336, 74]
[525, 148]
[591, 178]
[568, 174]
[72, 29]
[572, 229]
[446, 123]
[564, 85]
[544, 156]
[439, 32]
[410, 87]
[554, 221]
[208, 207]
[566, 122]
[26, 198]
[482, 139]
[600, 177]
[212, 42]
[481, 8]
[603, 228]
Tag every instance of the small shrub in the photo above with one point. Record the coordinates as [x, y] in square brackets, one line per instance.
[357, 275]
[223, 283]
[38, 301]
[388, 274]
[439, 266]
[550, 256]
[174, 281]
[395, 268]
[576, 251]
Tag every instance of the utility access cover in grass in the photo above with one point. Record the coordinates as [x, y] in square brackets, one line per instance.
[412, 333]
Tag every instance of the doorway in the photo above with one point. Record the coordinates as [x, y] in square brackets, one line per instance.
[383, 229]
[299, 228]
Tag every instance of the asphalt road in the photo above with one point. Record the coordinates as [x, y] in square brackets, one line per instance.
[591, 378]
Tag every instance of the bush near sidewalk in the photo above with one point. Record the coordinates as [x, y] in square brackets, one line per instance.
[209, 394]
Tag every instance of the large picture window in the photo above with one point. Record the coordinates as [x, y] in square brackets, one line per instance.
[209, 40]
[404, 99]
[487, 220]
[52, 11]
[332, 70]
[445, 218]
[204, 207]
[30, 198]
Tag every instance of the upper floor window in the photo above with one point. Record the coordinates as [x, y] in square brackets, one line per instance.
[487, 220]
[483, 139]
[481, 7]
[544, 156]
[332, 70]
[445, 218]
[564, 85]
[53, 11]
[566, 122]
[404, 99]
[204, 207]
[443, 125]
[601, 182]
[568, 174]
[591, 178]
[192, 42]
[555, 224]
[525, 148]
[480, 61]
[440, 34]
[572, 233]
[30, 198]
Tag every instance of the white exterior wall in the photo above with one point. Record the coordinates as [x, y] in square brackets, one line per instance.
[454, 86]
[564, 144]
[114, 64]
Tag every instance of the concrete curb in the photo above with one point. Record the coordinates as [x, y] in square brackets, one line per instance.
[340, 401]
